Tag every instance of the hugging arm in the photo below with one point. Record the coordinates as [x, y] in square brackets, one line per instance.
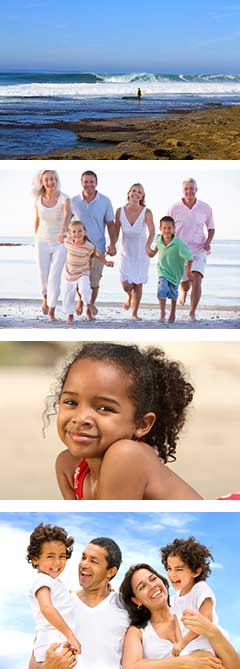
[199, 624]
[133, 657]
[65, 467]
[206, 609]
[64, 659]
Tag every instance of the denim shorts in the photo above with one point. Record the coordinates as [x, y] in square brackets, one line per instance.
[166, 289]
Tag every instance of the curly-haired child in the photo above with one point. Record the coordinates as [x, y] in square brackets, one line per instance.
[187, 563]
[120, 410]
[49, 549]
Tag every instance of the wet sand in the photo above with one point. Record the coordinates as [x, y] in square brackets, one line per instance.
[27, 314]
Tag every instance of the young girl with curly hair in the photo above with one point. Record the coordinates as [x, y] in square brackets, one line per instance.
[120, 410]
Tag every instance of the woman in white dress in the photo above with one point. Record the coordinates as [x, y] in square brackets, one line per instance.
[155, 629]
[136, 224]
[52, 217]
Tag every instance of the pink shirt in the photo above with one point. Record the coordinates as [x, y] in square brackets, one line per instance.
[190, 224]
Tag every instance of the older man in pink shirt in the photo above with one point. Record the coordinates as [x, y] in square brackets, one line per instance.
[195, 226]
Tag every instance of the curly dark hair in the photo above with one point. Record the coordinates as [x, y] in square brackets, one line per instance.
[43, 533]
[192, 553]
[156, 384]
[139, 616]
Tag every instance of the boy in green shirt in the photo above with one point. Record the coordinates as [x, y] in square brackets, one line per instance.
[172, 255]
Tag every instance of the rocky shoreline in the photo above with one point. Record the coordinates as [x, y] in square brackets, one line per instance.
[210, 134]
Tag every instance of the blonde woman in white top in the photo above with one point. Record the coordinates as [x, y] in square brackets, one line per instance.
[51, 222]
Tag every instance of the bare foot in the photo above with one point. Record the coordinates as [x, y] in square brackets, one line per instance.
[79, 307]
[94, 310]
[171, 319]
[162, 319]
[70, 319]
[182, 296]
[192, 318]
[51, 314]
[44, 306]
[127, 304]
[89, 313]
[136, 318]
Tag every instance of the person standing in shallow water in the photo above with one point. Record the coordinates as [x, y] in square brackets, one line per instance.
[192, 219]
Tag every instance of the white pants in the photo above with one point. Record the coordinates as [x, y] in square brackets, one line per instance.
[50, 261]
[69, 293]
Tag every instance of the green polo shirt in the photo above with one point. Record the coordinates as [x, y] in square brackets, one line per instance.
[171, 259]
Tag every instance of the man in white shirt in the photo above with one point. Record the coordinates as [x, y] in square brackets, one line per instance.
[195, 226]
[96, 212]
[101, 618]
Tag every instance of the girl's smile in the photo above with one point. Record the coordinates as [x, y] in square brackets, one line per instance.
[180, 575]
[95, 410]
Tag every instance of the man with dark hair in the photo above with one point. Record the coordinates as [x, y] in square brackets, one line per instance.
[96, 212]
[101, 619]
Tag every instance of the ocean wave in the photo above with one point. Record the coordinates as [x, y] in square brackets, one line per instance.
[125, 85]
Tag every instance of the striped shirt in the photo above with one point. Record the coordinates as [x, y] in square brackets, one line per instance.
[78, 259]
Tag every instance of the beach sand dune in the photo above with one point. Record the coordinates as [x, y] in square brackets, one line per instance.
[27, 314]
[208, 451]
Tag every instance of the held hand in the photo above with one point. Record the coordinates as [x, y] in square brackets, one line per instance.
[64, 659]
[61, 237]
[207, 246]
[208, 662]
[109, 263]
[111, 249]
[197, 623]
[176, 649]
[74, 643]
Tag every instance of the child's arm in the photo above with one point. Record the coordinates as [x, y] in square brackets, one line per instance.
[101, 256]
[53, 616]
[65, 468]
[206, 609]
[222, 647]
[67, 218]
[151, 252]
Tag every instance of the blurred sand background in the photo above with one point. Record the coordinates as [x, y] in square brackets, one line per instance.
[208, 450]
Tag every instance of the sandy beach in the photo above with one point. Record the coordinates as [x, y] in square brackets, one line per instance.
[27, 314]
[210, 436]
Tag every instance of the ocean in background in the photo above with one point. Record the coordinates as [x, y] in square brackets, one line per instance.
[221, 287]
[31, 103]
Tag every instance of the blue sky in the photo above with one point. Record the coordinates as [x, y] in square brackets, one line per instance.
[107, 36]
[140, 535]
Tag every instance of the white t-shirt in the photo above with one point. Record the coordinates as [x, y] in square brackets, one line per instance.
[101, 630]
[46, 634]
[193, 600]
[51, 220]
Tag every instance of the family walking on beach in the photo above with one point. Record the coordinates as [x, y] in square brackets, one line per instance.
[98, 627]
[71, 240]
